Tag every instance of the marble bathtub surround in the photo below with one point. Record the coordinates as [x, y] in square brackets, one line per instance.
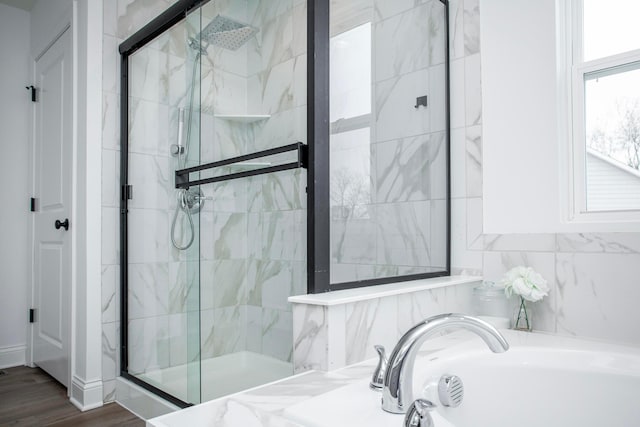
[339, 328]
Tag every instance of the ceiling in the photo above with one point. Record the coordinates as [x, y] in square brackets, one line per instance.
[20, 4]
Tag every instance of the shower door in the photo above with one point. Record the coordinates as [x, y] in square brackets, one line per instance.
[161, 237]
[253, 231]
[214, 206]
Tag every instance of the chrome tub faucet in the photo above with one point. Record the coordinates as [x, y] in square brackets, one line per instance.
[397, 388]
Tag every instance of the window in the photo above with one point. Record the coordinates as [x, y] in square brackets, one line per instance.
[605, 97]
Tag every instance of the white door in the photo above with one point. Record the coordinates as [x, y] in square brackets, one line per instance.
[52, 186]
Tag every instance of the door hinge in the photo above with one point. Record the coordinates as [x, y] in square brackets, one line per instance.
[33, 93]
[127, 192]
[32, 205]
[32, 315]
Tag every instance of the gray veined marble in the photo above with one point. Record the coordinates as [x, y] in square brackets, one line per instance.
[471, 27]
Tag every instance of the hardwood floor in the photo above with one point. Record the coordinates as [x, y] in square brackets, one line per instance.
[30, 397]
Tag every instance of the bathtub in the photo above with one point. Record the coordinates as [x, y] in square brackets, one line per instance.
[542, 381]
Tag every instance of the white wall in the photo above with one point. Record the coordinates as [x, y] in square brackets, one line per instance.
[519, 102]
[14, 193]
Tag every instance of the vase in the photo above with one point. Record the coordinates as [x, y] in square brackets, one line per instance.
[522, 320]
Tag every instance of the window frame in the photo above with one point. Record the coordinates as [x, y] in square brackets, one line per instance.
[577, 71]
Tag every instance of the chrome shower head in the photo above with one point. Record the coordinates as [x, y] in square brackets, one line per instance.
[223, 32]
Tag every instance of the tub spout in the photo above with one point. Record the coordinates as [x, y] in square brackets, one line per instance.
[398, 380]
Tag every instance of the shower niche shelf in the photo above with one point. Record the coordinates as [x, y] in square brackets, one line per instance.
[242, 118]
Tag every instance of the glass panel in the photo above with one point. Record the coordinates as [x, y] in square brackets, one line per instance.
[163, 280]
[253, 231]
[612, 120]
[388, 169]
[610, 27]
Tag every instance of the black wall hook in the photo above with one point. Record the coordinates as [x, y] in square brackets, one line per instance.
[421, 101]
[33, 92]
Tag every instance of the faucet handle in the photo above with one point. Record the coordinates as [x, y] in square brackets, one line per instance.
[418, 414]
[377, 379]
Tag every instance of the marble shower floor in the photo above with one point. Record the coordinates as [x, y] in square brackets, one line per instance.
[220, 376]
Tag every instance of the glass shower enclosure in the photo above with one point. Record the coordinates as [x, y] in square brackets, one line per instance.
[213, 203]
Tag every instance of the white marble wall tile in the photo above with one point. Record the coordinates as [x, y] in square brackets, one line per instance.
[473, 90]
[369, 323]
[418, 306]
[396, 116]
[337, 336]
[110, 348]
[437, 98]
[474, 224]
[222, 92]
[459, 299]
[110, 17]
[149, 127]
[354, 241]
[110, 121]
[254, 329]
[437, 33]
[457, 92]
[276, 86]
[109, 236]
[274, 42]
[148, 75]
[135, 14]
[520, 242]
[310, 338]
[438, 234]
[271, 283]
[283, 235]
[343, 272]
[279, 191]
[184, 286]
[110, 170]
[403, 169]
[456, 29]
[229, 230]
[300, 80]
[223, 331]
[135, 335]
[283, 128]
[178, 339]
[180, 84]
[403, 236]
[600, 242]
[229, 283]
[458, 163]
[148, 290]
[543, 313]
[409, 31]
[277, 332]
[152, 181]
[385, 9]
[471, 27]
[108, 391]
[259, 12]
[110, 64]
[598, 296]
[299, 45]
[148, 344]
[110, 293]
[462, 259]
[148, 236]
[438, 167]
[474, 161]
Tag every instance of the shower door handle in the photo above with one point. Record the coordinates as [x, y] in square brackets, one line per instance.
[64, 224]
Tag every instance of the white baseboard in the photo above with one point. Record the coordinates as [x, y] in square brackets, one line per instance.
[86, 395]
[13, 356]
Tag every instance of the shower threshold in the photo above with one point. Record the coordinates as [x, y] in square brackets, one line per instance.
[220, 376]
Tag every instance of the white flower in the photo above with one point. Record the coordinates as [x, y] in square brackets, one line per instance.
[525, 282]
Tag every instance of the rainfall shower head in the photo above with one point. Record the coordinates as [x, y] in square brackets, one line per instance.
[223, 32]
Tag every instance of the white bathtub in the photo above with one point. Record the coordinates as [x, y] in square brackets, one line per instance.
[542, 381]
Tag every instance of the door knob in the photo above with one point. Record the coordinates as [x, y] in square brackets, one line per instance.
[64, 224]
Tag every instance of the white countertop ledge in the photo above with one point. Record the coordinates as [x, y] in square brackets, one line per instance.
[371, 292]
